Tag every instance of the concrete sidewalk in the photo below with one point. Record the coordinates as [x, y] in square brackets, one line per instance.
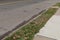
[9, 19]
[40, 37]
[52, 27]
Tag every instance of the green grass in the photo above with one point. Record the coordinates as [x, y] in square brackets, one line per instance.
[28, 31]
[57, 4]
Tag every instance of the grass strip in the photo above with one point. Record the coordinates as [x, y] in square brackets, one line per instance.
[29, 30]
[57, 4]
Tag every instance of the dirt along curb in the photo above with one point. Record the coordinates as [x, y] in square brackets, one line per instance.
[19, 26]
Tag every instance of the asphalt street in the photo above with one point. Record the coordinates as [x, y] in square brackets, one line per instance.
[13, 14]
[11, 6]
